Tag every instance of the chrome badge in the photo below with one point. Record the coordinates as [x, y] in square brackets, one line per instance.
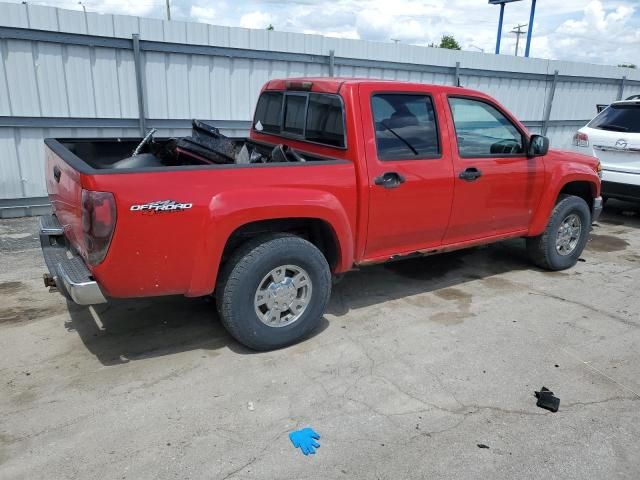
[622, 144]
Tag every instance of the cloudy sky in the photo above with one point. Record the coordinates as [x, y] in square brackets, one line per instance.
[597, 31]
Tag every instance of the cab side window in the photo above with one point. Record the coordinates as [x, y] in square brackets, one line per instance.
[483, 131]
[405, 126]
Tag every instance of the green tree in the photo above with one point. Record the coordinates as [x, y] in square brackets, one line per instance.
[270, 28]
[448, 41]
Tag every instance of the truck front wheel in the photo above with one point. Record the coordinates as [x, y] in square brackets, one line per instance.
[565, 237]
[273, 291]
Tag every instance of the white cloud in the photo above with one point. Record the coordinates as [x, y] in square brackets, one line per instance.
[595, 18]
[373, 25]
[601, 31]
[203, 14]
[125, 7]
[256, 19]
[600, 34]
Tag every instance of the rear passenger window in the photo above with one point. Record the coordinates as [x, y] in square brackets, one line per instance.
[405, 126]
[268, 112]
[314, 117]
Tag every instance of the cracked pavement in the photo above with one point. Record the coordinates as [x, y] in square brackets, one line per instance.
[415, 365]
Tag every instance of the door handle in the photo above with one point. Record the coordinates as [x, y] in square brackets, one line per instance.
[470, 174]
[390, 180]
[57, 173]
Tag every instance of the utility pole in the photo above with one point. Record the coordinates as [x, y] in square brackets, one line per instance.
[518, 31]
[168, 10]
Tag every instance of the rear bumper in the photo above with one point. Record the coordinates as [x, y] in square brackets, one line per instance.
[67, 271]
[623, 191]
[597, 209]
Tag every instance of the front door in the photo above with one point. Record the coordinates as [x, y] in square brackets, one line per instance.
[497, 188]
[409, 170]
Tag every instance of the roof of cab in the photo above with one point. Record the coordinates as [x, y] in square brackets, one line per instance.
[333, 84]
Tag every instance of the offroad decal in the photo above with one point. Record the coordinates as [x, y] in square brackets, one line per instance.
[160, 206]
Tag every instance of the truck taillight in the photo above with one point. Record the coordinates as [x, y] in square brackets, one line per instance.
[98, 223]
[581, 139]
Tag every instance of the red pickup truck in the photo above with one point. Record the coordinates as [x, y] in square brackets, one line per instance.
[336, 173]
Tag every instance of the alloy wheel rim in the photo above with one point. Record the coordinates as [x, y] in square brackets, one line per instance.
[283, 295]
[568, 234]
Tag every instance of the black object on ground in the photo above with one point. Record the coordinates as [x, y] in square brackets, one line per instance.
[547, 400]
[482, 445]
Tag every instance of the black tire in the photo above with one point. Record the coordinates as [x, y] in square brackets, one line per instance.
[542, 249]
[242, 275]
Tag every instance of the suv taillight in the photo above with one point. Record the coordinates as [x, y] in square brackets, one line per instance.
[581, 139]
[98, 222]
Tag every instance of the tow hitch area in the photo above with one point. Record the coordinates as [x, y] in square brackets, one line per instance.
[49, 281]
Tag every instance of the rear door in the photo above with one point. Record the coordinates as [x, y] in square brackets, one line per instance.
[409, 169]
[497, 188]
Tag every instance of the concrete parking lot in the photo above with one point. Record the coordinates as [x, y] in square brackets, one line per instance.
[416, 363]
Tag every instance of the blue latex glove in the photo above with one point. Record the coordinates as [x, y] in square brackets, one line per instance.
[305, 439]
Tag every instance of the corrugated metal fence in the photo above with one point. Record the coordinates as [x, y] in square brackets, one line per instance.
[65, 73]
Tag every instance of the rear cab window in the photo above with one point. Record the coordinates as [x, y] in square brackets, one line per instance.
[618, 118]
[306, 116]
[405, 126]
[269, 112]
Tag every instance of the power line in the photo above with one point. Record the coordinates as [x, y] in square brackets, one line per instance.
[518, 31]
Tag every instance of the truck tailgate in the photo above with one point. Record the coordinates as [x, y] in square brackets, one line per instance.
[65, 192]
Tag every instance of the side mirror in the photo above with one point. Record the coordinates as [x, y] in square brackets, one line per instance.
[538, 146]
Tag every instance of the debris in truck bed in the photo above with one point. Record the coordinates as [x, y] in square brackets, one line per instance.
[243, 156]
[208, 143]
[547, 400]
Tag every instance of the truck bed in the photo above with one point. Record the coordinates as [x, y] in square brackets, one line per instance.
[205, 146]
[102, 156]
[178, 252]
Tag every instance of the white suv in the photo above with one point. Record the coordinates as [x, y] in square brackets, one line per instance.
[614, 137]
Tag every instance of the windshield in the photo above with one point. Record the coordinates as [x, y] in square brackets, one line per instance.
[618, 118]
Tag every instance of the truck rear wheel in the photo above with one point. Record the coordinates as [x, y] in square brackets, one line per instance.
[565, 237]
[273, 291]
